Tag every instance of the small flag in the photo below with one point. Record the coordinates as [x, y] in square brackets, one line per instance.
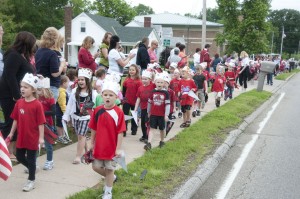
[5, 162]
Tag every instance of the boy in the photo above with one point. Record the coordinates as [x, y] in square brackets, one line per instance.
[107, 125]
[174, 85]
[201, 83]
[218, 85]
[158, 110]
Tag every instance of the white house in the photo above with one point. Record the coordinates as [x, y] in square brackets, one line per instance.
[96, 26]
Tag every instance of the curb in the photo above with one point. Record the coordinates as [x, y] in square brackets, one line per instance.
[190, 187]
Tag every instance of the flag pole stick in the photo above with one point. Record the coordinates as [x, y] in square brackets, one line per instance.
[282, 40]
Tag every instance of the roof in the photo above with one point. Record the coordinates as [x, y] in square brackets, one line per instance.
[132, 34]
[105, 22]
[174, 19]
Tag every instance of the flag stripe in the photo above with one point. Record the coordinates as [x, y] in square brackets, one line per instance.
[5, 162]
[3, 176]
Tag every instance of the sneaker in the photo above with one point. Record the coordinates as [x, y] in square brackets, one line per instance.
[148, 146]
[133, 132]
[194, 114]
[161, 144]
[179, 114]
[142, 139]
[67, 139]
[218, 102]
[107, 195]
[62, 140]
[48, 165]
[37, 169]
[198, 113]
[124, 134]
[30, 185]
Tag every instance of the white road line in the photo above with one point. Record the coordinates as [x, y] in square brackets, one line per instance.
[239, 163]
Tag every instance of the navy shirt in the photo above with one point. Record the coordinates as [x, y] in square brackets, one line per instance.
[47, 62]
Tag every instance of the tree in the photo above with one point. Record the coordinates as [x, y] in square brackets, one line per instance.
[117, 9]
[142, 9]
[80, 6]
[212, 14]
[289, 19]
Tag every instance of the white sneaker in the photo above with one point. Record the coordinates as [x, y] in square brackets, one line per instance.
[107, 195]
[30, 185]
[48, 165]
[36, 169]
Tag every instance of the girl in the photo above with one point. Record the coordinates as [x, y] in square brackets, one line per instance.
[174, 85]
[72, 75]
[218, 85]
[80, 97]
[100, 75]
[46, 98]
[30, 134]
[244, 73]
[143, 95]
[130, 88]
[230, 79]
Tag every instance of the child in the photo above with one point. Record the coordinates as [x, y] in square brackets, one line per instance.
[46, 98]
[107, 125]
[72, 75]
[186, 84]
[100, 75]
[174, 85]
[218, 85]
[80, 97]
[143, 95]
[61, 106]
[130, 88]
[30, 134]
[201, 83]
[230, 81]
[172, 68]
[158, 110]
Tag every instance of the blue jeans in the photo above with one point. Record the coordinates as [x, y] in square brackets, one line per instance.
[270, 78]
[49, 149]
[55, 92]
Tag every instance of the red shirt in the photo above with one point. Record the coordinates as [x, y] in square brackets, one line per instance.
[29, 116]
[185, 86]
[144, 93]
[172, 99]
[132, 86]
[47, 103]
[206, 75]
[218, 85]
[230, 74]
[174, 85]
[159, 100]
[204, 57]
[86, 60]
[109, 124]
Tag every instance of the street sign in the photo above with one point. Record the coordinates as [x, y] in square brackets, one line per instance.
[167, 42]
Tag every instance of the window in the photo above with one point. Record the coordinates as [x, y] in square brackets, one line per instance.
[82, 27]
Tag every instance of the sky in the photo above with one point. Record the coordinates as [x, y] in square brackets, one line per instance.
[195, 6]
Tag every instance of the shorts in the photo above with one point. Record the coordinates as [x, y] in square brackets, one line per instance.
[107, 164]
[201, 96]
[81, 127]
[185, 108]
[59, 120]
[157, 121]
[218, 94]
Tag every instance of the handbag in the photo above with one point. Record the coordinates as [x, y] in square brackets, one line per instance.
[49, 133]
[88, 157]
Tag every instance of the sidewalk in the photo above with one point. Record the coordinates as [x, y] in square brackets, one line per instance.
[66, 179]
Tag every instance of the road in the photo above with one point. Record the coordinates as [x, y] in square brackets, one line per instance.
[271, 168]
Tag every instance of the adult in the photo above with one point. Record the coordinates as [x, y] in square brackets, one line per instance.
[216, 61]
[152, 53]
[116, 62]
[104, 50]
[134, 51]
[173, 50]
[142, 57]
[175, 57]
[204, 56]
[244, 72]
[183, 62]
[1, 52]
[16, 65]
[47, 62]
[85, 58]
[196, 57]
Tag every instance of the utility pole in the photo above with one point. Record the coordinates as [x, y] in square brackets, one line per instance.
[282, 36]
[203, 41]
[272, 42]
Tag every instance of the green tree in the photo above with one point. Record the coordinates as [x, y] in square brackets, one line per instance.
[212, 14]
[289, 19]
[117, 9]
[142, 9]
[80, 6]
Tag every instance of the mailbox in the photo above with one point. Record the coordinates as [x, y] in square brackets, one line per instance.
[266, 67]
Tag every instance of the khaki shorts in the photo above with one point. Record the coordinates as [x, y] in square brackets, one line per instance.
[107, 164]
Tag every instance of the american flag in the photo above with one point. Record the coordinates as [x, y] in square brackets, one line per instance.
[5, 162]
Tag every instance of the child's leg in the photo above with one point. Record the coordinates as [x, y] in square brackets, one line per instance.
[150, 135]
[184, 116]
[126, 108]
[29, 161]
[133, 124]
[143, 123]
[80, 147]
[49, 149]
[188, 115]
[60, 131]
[162, 135]
[109, 177]
[98, 169]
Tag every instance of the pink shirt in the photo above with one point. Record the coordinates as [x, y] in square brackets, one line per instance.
[152, 55]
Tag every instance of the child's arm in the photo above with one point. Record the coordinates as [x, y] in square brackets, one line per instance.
[13, 129]
[205, 86]
[167, 111]
[62, 101]
[41, 132]
[137, 103]
[149, 108]
[119, 144]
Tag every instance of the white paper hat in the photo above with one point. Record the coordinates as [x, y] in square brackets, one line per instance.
[113, 77]
[147, 74]
[173, 64]
[176, 71]
[111, 86]
[166, 77]
[203, 64]
[85, 72]
[31, 80]
[159, 76]
[44, 83]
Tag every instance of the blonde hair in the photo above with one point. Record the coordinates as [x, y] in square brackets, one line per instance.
[59, 42]
[49, 37]
[47, 93]
[244, 54]
[87, 42]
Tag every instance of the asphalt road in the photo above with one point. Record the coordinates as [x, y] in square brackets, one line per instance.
[271, 169]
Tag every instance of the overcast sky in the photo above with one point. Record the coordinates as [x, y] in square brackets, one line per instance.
[195, 6]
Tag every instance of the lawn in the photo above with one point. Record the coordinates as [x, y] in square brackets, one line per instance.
[170, 166]
[284, 76]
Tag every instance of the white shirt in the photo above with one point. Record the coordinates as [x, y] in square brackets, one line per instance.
[114, 67]
[245, 61]
[133, 60]
[196, 59]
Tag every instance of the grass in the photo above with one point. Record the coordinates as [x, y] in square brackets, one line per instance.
[170, 166]
[284, 76]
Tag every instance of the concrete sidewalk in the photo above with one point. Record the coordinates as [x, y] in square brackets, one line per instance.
[66, 179]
